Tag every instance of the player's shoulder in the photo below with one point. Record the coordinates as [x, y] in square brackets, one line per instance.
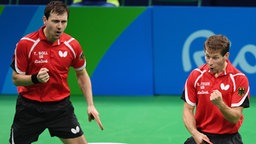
[66, 36]
[27, 40]
[30, 37]
[199, 70]
[70, 40]
[233, 70]
[236, 74]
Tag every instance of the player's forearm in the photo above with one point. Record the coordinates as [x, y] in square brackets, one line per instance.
[86, 87]
[21, 80]
[231, 114]
[189, 119]
[190, 122]
[87, 92]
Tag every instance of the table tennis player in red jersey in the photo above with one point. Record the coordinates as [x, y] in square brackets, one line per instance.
[215, 95]
[41, 65]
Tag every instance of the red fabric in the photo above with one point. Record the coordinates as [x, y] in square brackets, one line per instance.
[34, 52]
[200, 85]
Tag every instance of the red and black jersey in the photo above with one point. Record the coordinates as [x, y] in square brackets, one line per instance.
[235, 90]
[34, 51]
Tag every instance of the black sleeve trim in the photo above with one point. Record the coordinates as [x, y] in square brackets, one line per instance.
[12, 65]
[246, 103]
[183, 95]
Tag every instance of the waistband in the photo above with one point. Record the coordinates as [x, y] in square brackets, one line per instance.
[38, 102]
[219, 135]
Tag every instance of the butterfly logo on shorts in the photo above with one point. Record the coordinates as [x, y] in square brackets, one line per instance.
[75, 130]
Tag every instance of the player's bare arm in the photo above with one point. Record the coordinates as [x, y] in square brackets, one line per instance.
[230, 114]
[26, 80]
[84, 82]
[21, 79]
[190, 123]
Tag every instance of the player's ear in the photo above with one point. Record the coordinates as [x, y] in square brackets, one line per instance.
[227, 55]
[44, 19]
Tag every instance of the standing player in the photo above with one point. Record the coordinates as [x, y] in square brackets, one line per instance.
[218, 92]
[40, 65]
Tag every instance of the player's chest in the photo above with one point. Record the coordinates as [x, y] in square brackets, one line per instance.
[58, 57]
[206, 85]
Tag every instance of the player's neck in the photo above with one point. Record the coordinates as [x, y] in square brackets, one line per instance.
[221, 70]
[48, 36]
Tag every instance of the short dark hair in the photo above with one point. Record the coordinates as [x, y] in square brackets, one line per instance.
[55, 6]
[217, 42]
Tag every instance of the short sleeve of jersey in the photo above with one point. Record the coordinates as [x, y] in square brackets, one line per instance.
[20, 57]
[189, 94]
[242, 92]
[79, 62]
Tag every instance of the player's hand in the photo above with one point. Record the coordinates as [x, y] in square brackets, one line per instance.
[201, 138]
[94, 115]
[92, 111]
[207, 141]
[43, 75]
[216, 97]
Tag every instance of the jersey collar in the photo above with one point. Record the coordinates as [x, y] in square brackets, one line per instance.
[229, 67]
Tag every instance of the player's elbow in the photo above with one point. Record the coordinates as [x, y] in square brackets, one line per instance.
[235, 119]
[15, 81]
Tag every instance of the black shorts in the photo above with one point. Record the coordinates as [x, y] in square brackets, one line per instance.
[32, 118]
[219, 139]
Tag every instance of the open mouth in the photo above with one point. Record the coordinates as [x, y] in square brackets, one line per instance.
[58, 33]
[212, 69]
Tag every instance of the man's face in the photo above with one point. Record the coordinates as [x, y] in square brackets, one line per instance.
[55, 26]
[215, 61]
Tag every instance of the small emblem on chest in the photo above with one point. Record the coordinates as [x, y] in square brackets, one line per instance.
[63, 53]
[224, 87]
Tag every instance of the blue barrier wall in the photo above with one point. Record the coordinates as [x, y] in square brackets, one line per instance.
[179, 34]
[155, 53]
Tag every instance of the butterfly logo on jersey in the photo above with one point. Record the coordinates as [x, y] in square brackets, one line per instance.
[224, 87]
[75, 130]
[63, 54]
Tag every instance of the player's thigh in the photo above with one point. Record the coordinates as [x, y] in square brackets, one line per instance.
[25, 135]
[28, 124]
[78, 140]
[63, 123]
